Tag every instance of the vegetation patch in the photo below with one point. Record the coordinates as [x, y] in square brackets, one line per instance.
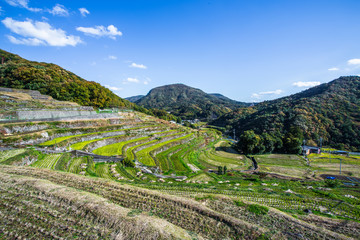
[257, 209]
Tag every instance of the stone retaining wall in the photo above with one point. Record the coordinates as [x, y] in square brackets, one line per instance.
[63, 118]
[33, 115]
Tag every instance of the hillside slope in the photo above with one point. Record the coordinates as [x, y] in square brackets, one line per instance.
[135, 98]
[330, 111]
[51, 79]
[187, 102]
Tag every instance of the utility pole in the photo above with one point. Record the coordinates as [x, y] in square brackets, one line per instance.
[340, 165]
[303, 150]
[234, 135]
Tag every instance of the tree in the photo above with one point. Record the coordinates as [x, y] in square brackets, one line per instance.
[220, 170]
[292, 144]
[269, 142]
[249, 141]
[225, 169]
[293, 140]
[178, 120]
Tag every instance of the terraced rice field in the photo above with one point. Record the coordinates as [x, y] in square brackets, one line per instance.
[326, 163]
[232, 212]
[37, 208]
[75, 165]
[102, 170]
[154, 144]
[189, 198]
[284, 164]
[144, 157]
[4, 155]
[59, 140]
[48, 162]
[164, 159]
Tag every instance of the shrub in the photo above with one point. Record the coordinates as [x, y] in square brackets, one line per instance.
[128, 163]
[331, 183]
[239, 203]
[257, 209]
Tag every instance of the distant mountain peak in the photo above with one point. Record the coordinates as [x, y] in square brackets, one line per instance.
[188, 102]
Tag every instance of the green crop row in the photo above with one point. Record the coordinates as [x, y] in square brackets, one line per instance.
[62, 162]
[144, 155]
[61, 139]
[102, 170]
[82, 145]
[49, 161]
[4, 155]
[129, 149]
[116, 148]
[75, 165]
[163, 158]
[178, 161]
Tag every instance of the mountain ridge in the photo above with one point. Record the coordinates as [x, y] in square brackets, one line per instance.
[55, 81]
[134, 98]
[188, 102]
[329, 111]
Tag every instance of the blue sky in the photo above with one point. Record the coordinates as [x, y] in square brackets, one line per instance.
[250, 50]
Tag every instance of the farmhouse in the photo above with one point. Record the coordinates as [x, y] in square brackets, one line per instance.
[308, 149]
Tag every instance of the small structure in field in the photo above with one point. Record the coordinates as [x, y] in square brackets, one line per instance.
[308, 149]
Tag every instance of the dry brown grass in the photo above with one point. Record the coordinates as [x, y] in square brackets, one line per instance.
[340, 226]
[182, 212]
[286, 226]
[17, 95]
[115, 217]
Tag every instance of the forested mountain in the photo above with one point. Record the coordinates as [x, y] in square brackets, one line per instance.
[187, 102]
[50, 79]
[330, 111]
[134, 98]
[222, 97]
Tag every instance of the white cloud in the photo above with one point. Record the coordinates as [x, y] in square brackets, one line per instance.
[276, 92]
[147, 81]
[135, 65]
[334, 69]
[26, 41]
[354, 61]
[259, 95]
[36, 33]
[131, 80]
[59, 10]
[23, 4]
[256, 96]
[100, 31]
[113, 88]
[112, 57]
[306, 84]
[84, 11]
